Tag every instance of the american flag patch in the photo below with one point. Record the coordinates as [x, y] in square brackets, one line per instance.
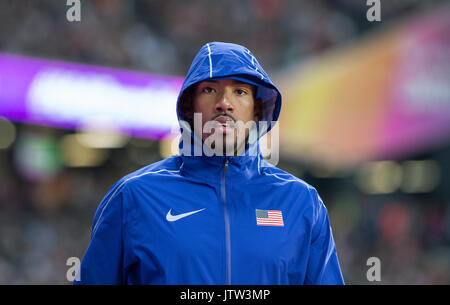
[269, 218]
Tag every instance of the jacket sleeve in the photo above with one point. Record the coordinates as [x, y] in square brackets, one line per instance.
[323, 265]
[105, 259]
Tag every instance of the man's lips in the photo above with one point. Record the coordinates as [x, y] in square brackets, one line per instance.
[225, 120]
[225, 123]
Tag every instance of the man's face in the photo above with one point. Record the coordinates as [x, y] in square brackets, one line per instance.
[226, 106]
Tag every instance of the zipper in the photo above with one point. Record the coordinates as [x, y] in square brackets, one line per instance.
[227, 224]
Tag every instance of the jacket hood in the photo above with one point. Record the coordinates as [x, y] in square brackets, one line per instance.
[220, 60]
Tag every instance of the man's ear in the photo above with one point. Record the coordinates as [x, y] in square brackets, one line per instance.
[257, 111]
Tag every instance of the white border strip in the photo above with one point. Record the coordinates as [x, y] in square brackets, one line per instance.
[210, 61]
[276, 176]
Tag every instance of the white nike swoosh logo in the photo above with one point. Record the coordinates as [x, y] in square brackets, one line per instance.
[171, 217]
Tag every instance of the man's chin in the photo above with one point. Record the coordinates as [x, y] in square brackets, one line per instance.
[219, 144]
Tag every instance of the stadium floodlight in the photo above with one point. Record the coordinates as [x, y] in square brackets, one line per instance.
[68, 95]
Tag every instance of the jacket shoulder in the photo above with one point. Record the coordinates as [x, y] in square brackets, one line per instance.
[278, 174]
[282, 177]
[169, 165]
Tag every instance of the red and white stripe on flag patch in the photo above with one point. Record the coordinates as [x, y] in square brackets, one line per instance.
[269, 218]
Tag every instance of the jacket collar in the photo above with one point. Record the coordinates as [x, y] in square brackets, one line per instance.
[210, 169]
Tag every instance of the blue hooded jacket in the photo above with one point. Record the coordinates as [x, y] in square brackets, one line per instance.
[213, 219]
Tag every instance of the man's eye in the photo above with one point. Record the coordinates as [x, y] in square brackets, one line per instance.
[241, 92]
[208, 89]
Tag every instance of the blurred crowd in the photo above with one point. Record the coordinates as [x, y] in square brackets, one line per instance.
[410, 235]
[132, 34]
[46, 220]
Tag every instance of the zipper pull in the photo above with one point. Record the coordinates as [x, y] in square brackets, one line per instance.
[225, 168]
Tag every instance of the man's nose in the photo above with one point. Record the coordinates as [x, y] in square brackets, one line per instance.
[224, 104]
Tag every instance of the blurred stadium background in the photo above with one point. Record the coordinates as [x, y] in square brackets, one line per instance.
[365, 119]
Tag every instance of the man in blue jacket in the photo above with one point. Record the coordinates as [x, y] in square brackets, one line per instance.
[218, 213]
